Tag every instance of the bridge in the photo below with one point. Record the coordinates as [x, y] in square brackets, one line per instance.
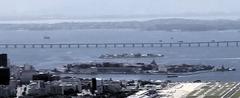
[124, 45]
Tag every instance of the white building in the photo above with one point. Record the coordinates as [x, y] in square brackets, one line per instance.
[41, 88]
[162, 68]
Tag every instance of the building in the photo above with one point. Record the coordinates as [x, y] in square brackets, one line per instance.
[7, 92]
[26, 75]
[162, 68]
[7, 88]
[4, 70]
[4, 76]
[41, 88]
[3, 60]
[45, 77]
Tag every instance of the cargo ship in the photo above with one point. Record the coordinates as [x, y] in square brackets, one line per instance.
[130, 55]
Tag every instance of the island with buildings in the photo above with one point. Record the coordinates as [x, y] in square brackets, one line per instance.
[136, 68]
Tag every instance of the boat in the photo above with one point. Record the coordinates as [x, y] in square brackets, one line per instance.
[47, 37]
[130, 55]
[172, 76]
[223, 69]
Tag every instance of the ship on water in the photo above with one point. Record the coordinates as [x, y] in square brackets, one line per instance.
[46, 37]
[130, 55]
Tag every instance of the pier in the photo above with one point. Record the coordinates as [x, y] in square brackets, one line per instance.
[123, 45]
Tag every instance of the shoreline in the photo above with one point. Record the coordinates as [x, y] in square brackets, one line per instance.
[164, 74]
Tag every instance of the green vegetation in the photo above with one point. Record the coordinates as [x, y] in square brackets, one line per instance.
[192, 94]
[191, 97]
[212, 97]
[236, 95]
[202, 92]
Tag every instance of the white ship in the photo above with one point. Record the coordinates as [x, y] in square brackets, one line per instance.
[130, 55]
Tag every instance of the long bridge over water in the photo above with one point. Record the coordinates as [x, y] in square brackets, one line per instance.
[123, 45]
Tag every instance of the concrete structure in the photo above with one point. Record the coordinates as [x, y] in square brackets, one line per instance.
[123, 45]
[54, 88]
[162, 68]
[4, 70]
[26, 75]
[7, 92]
[3, 60]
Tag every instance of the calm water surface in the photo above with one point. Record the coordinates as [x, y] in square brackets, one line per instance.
[50, 58]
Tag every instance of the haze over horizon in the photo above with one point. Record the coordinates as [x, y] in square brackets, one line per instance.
[40, 9]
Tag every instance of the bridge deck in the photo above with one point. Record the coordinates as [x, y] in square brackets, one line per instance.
[123, 45]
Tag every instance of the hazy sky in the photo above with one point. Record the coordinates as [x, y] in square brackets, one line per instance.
[97, 8]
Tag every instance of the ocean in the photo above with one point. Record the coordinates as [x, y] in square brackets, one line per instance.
[56, 57]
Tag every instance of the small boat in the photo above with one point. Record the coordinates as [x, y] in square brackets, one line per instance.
[172, 76]
[180, 41]
[46, 37]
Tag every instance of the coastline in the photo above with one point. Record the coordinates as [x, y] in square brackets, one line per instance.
[165, 74]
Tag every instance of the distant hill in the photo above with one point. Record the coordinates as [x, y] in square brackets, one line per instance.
[173, 24]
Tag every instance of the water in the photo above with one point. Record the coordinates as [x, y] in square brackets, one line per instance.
[51, 58]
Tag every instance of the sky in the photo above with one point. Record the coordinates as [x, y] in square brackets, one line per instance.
[113, 8]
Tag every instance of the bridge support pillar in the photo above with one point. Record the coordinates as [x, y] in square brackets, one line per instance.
[217, 44]
[152, 45]
[124, 45]
[161, 45]
[87, 45]
[6, 46]
[180, 45]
